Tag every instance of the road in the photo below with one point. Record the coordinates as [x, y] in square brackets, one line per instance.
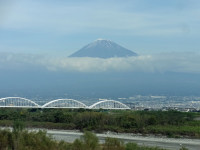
[168, 143]
[163, 142]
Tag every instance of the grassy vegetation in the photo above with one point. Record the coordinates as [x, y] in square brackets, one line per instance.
[20, 139]
[170, 123]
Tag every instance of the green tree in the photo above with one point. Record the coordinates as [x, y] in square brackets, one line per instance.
[18, 127]
[77, 145]
[131, 146]
[183, 148]
[113, 144]
[90, 141]
[6, 140]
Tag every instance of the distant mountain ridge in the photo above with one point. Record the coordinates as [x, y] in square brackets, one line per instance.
[103, 49]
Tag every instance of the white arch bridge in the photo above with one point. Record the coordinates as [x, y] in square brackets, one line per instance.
[60, 103]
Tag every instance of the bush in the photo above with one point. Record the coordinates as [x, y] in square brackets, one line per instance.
[113, 144]
[90, 141]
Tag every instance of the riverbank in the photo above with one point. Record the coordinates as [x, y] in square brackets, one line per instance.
[172, 124]
[148, 140]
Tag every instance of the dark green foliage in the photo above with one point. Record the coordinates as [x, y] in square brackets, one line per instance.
[170, 123]
[89, 120]
[6, 140]
[18, 126]
[77, 145]
[113, 144]
[183, 148]
[40, 141]
[24, 140]
[90, 141]
[131, 146]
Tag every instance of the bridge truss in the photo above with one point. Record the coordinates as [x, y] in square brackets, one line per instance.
[60, 103]
[17, 102]
[109, 104]
[64, 103]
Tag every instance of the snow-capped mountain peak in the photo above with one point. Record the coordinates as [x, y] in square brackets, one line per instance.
[103, 49]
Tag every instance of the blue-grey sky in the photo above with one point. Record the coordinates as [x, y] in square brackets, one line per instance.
[64, 26]
[37, 36]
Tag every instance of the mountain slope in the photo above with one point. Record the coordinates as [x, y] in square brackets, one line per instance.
[103, 49]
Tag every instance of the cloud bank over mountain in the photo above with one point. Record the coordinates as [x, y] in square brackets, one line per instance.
[166, 62]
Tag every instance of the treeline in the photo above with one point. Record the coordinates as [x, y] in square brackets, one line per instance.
[170, 123]
[20, 139]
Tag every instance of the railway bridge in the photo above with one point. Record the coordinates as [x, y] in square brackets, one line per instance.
[19, 102]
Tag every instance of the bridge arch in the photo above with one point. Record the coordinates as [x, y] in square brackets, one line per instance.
[17, 102]
[109, 104]
[64, 103]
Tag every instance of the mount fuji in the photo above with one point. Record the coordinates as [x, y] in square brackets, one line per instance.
[103, 49]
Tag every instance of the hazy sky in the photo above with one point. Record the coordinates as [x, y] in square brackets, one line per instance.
[64, 26]
[37, 36]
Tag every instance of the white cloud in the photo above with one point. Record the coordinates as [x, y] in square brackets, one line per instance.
[169, 62]
[74, 17]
